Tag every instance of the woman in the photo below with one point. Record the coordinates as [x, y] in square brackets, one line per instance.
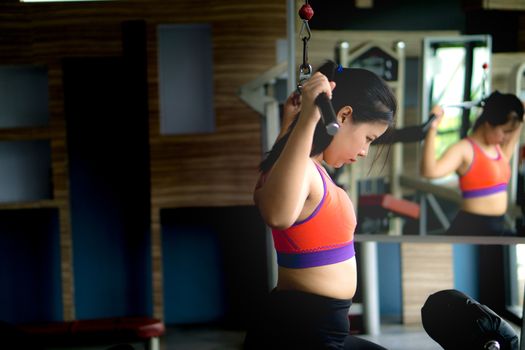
[482, 161]
[312, 219]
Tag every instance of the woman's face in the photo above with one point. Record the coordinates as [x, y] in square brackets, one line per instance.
[500, 134]
[352, 141]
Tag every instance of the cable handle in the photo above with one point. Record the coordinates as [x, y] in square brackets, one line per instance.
[327, 113]
[322, 101]
[426, 125]
[305, 71]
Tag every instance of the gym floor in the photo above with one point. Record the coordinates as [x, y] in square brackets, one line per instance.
[393, 337]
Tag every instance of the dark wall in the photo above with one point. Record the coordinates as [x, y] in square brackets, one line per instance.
[215, 264]
[109, 188]
[29, 266]
[107, 133]
[503, 26]
[388, 15]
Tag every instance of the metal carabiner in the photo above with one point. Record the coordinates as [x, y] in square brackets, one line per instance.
[308, 32]
[305, 72]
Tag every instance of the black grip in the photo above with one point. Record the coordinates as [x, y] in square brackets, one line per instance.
[428, 123]
[327, 113]
[407, 134]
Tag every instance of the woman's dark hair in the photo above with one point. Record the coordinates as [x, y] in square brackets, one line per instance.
[369, 96]
[499, 109]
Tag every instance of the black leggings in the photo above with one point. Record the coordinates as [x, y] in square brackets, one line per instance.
[469, 224]
[298, 320]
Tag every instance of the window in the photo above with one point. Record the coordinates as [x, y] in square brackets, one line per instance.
[185, 79]
[516, 279]
[23, 96]
[25, 171]
[454, 72]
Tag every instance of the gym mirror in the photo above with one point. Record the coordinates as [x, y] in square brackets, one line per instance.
[455, 74]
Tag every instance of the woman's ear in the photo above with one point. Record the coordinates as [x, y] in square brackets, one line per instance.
[344, 115]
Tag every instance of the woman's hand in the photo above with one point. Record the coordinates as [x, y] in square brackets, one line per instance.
[313, 87]
[291, 109]
[438, 111]
[451, 160]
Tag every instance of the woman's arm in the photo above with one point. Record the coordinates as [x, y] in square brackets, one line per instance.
[449, 162]
[287, 185]
[509, 146]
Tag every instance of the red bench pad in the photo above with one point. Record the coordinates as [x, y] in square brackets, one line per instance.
[105, 329]
[390, 203]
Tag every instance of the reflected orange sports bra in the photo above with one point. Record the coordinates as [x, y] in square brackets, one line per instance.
[485, 175]
[325, 237]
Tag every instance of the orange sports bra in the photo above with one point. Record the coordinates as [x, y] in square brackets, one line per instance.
[325, 237]
[485, 175]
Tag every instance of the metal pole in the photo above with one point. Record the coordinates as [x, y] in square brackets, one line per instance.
[370, 288]
[290, 25]
[522, 335]
[518, 74]
[272, 126]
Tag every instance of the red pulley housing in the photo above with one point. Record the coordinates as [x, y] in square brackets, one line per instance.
[306, 12]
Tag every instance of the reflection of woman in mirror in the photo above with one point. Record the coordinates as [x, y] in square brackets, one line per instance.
[482, 161]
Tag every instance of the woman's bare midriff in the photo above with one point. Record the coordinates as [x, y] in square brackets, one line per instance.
[493, 205]
[335, 281]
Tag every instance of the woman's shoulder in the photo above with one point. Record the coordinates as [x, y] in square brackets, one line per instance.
[463, 150]
[315, 163]
[466, 141]
[317, 175]
[463, 146]
[317, 169]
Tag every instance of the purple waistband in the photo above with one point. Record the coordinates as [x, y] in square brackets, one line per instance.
[320, 258]
[484, 191]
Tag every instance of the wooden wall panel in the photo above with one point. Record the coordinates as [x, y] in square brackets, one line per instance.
[60, 175]
[15, 35]
[217, 169]
[426, 268]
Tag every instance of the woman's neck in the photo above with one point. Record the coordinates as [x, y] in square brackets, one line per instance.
[479, 136]
[318, 158]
